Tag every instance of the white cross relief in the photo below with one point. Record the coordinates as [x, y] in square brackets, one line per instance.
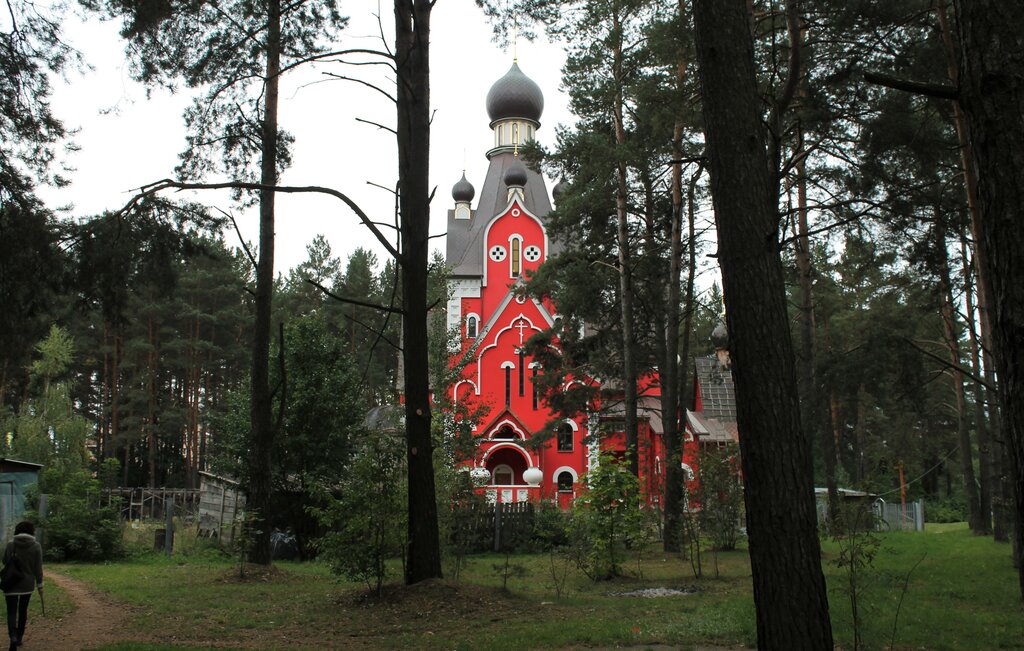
[522, 325]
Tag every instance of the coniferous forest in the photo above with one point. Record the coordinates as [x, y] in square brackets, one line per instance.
[838, 181]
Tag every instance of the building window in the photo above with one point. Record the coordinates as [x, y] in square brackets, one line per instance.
[565, 482]
[565, 433]
[502, 475]
[505, 432]
[533, 383]
[522, 373]
[471, 326]
[508, 386]
[516, 244]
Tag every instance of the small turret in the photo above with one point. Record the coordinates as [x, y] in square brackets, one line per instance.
[720, 340]
[515, 179]
[463, 193]
[559, 190]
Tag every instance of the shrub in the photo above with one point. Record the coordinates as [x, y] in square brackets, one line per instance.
[950, 509]
[366, 524]
[75, 526]
[606, 519]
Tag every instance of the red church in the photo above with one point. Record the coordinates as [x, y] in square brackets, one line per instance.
[490, 250]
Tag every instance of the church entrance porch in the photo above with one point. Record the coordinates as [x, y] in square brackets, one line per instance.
[507, 462]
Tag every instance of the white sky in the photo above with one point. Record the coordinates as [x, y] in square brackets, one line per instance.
[128, 140]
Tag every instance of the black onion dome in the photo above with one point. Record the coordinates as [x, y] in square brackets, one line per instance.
[559, 189]
[515, 175]
[463, 191]
[515, 96]
[720, 336]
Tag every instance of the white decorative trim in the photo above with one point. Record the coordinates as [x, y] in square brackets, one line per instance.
[503, 467]
[497, 426]
[515, 237]
[568, 469]
[494, 341]
[473, 315]
[508, 444]
[514, 202]
[455, 390]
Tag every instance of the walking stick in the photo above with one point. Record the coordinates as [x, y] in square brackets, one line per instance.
[42, 602]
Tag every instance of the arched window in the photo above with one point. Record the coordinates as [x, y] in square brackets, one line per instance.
[505, 433]
[508, 366]
[565, 481]
[522, 371]
[516, 246]
[533, 384]
[565, 433]
[508, 386]
[502, 475]
[471, 326]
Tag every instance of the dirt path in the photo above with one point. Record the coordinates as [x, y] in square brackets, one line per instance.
[97, 619]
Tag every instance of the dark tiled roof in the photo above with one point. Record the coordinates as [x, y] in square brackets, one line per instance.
[718, 397]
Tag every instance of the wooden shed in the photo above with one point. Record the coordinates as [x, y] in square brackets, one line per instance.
[221, 500]
[15, 477]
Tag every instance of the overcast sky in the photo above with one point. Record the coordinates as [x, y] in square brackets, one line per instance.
[127, 139]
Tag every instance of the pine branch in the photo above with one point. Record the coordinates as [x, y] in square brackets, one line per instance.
[940, 91]
[960, 368]
[352, 301]
[151, 189]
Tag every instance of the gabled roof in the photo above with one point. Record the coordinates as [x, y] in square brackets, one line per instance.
[716, 421]
[16, 465]
[506, 415]
[711, 430]
[465, 250]
[499, 313]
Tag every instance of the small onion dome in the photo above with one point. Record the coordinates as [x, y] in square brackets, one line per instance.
[720, 336]
[559, 189]
[515, 96]
[463, 191]
[515, 175]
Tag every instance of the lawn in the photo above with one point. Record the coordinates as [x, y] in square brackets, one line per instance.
[961, 594]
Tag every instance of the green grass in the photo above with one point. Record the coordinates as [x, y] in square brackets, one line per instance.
[962, 595]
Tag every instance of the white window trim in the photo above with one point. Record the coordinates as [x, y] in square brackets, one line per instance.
[559, 471]
[473, 315]
[511, 258]
[503, 467]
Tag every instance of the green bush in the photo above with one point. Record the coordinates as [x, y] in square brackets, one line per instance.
[951, 509]
[366, 524]
[76, 528]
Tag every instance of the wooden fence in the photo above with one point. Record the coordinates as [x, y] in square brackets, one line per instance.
[149, 503]
[496, 527]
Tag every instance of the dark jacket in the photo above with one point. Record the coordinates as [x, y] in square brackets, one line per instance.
[28, 551]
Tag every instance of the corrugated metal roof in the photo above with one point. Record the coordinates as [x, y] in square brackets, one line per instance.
[717, 394]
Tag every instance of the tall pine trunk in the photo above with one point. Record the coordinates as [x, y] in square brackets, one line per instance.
[991, 37]
[261, 416]
[412, 57]
[151, 361]
[789, 586]
[950, 333]
[980, 398]
[672, 497]
[980, 257]
[629, 366]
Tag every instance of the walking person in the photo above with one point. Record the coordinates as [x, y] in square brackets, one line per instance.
[27, 555]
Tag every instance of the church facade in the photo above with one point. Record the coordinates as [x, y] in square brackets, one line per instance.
[490, 249]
